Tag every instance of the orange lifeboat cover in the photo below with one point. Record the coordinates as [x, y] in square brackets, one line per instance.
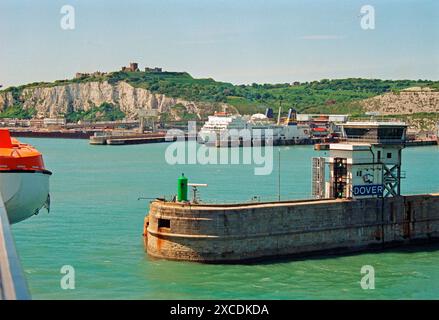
[18, 156]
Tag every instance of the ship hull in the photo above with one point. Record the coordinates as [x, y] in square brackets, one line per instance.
[24, 192]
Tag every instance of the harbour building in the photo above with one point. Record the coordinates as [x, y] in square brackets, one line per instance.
[367, 162]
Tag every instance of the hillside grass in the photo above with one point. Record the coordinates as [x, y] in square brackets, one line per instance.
[18, 112]
[104, 112]
[324, 96]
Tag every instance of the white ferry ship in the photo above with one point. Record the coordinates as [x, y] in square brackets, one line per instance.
[224, 126]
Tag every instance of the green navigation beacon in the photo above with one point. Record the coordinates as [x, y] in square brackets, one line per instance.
[182, 188]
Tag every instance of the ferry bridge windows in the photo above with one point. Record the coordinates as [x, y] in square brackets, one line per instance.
[389, 155]
[391, 133]
[379, 155]
[360, 132]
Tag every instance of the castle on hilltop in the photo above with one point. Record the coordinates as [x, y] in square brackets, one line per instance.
[132, 67]
[80, 75]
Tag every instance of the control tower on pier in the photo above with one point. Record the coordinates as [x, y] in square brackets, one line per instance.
[365, 164]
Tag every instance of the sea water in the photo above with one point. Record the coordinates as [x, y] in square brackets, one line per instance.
[96, 221]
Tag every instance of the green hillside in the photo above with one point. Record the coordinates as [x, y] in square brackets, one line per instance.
[324, 96]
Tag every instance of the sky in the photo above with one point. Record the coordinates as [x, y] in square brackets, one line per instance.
[238, 41]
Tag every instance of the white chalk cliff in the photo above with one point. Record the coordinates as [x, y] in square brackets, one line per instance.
[51, 101]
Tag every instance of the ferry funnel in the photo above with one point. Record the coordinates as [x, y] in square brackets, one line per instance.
[269, 113]
[292, 114]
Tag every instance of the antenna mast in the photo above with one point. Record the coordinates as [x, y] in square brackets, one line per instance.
[278, 187]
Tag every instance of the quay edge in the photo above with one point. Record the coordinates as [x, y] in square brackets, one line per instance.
[258, 231]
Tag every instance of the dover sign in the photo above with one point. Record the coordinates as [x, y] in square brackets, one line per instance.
[368, 190]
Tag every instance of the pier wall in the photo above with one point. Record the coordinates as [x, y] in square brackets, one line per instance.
[234, 233]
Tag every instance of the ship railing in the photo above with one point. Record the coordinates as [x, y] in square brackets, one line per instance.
[255, 199]
[373, 139]
[13, 285]
[376, 118]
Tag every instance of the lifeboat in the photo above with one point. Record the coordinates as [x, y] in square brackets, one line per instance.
[24, 181]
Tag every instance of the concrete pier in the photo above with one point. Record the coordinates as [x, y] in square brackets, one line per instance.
[116, 140]
[257, 231]
[13, 285]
